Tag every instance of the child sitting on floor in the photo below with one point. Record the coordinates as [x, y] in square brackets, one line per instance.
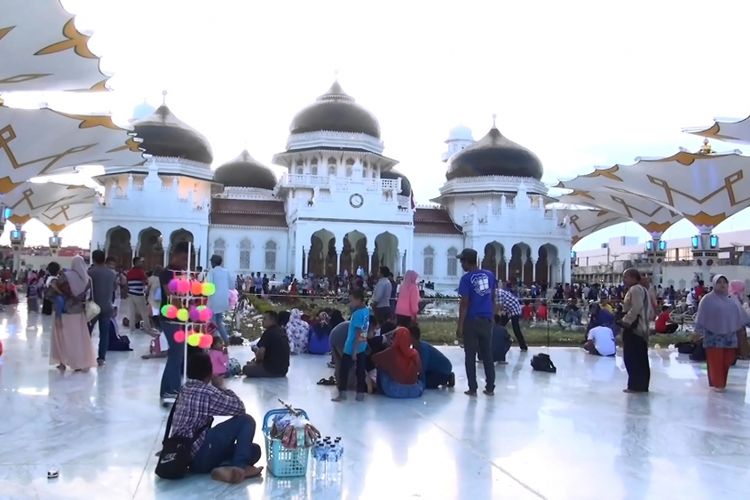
[219, 357]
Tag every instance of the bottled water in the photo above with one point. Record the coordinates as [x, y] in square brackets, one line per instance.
[328, 454]
[320, 460]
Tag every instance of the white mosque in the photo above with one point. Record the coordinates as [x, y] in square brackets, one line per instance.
[340, 204]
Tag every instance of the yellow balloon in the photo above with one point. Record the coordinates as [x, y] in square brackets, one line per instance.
[194, 339]
[182, 314]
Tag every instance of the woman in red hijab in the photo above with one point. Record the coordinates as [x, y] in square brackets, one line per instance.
[400, 361]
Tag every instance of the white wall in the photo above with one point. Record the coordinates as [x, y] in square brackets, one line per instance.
[235, 236]
[440, 244]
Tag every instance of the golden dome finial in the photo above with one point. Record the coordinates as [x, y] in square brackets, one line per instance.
[706, 149]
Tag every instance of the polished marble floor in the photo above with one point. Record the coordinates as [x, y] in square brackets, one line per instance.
[570, 435]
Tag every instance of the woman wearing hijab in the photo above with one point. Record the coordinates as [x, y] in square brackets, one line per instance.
[71, 342]
[737, 290]
[399, 366]
[718, 320]
[298, 332]
[407, 305]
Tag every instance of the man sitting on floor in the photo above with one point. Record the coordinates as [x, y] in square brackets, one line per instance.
[601, 341]
[201, 399]
[436, 370]
[272, 351]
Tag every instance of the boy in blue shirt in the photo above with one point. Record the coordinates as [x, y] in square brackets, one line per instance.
[356, 344]
[475, 314]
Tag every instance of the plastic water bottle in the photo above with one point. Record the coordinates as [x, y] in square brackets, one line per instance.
[333, 472]
[319, 460]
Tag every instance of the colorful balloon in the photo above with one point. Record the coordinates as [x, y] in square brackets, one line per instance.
[206, 341]
[194, 313]
[179, 336]
[182, 314]
[205, 315]
[209, 289]
[183, 287]
[173, 285]
[194, 339]
[171, 312]
[165, 310]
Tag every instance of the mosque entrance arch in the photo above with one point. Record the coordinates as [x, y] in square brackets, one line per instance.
[118, 246]
[385, 253]
[179, 236]
[321, 260]
[151, 248]
[520, 269]
[494, 260]
[354, 253]
[544, 271]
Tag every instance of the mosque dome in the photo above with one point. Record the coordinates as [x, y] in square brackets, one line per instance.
[245, 171]
[166, 135]
[460, 133]
[335, 111]
[395, 174]
[142, 110]
[494, 154]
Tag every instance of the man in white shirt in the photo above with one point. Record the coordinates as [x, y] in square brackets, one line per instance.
[601, 341]
[219, 301]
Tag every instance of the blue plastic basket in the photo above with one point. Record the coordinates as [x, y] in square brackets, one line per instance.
[282, 461]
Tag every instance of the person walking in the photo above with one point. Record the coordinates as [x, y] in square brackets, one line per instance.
[719, 318]
[407, 305]
[137, 281]
[219, 301]
[103, 280]
[635, 324]
[477, 289]
[171, 378]
[511, 307]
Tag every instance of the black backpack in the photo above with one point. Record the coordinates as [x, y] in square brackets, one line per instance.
[543, 363]
[175, 455]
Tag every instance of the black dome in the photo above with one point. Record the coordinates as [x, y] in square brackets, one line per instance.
[164, 134]
[245, 171]
[335, 111]
[494, 154]
[395, 174]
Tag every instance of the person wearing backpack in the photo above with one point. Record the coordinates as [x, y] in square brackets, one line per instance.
[226, 450]
[635, 323]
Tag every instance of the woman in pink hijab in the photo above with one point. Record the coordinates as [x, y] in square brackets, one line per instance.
[71, 342]
[737, 290]
[407, 305]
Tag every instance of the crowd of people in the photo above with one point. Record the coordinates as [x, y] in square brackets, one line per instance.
[376, 349]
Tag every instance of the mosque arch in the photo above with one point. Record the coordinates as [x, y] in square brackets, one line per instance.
[545, 269]
[321, 259]
[220, 247]
[151, 248]
[354, 253]
[386, 252]
[495, 260]
[520, 268]
[118, 246]
[179, 236]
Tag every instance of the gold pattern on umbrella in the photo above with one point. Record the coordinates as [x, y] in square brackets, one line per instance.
[74, 39]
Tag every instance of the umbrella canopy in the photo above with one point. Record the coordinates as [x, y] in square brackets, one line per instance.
[65, 213]
[41, 49]
[725, 130]
[36, 142]
[32, 199]
[652, 216]
[706, 188]
[583, 222]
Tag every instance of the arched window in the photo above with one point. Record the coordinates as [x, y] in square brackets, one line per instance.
[314, 166]
[452, 262]
[349, 167]
[300, 167]
[348, 171]
[429, 261]
[245, 254]
[270, 255]
[219, 246]
[332, 170]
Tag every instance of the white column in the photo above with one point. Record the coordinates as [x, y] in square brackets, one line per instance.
[523, 269]
[533, 270]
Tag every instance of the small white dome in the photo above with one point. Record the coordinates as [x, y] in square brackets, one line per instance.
[460, 133]
[143, 110]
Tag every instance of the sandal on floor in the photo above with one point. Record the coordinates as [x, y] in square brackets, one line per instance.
[327, 381]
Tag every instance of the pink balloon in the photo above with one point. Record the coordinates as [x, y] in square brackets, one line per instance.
[206, 315]
[206, 341]
[183, 287]
[179, 336]
[173, 285]
[171, 312]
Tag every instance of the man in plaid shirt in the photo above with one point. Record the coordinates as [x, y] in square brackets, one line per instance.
[227, 450]
[511, 307]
